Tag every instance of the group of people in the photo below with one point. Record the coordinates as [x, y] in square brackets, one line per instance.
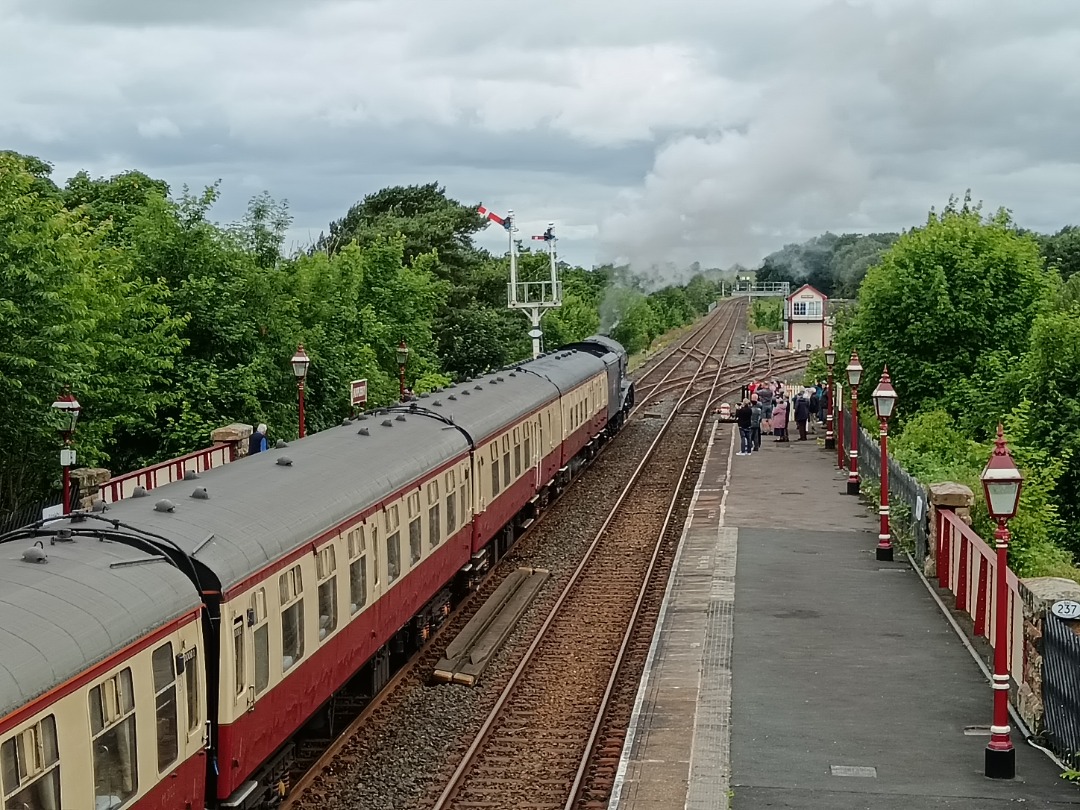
[767, 407]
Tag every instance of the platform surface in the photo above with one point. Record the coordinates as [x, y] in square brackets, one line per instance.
[791, 669]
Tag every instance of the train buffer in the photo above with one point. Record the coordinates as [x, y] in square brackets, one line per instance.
[469, 653]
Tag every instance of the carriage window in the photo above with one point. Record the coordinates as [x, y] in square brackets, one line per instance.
[434, 526]
[433, 492]
[517, 460]
[357, 584]
[414, 504]
[165, 692]
[415, 547]
[112, 723]
[375, 555]
[393, 556]
[191, 687]
[291, 586]
[506, 468]
[496, 480]
[326, 568]
[31, 768]
[261, 638]
[239, 675]
[528, 452]
[392, 518]
[451, 513]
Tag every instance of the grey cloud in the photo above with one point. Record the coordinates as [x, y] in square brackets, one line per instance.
[140, 13]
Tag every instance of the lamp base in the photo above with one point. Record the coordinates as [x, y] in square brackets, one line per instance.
[830, 444]
[884, 554]
[852, 487]
[1000, 764]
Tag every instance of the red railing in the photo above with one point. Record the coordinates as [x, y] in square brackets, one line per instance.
[967, 566]
[116, 489]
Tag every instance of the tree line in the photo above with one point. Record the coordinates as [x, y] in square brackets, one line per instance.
[166, 324]
[978, 321]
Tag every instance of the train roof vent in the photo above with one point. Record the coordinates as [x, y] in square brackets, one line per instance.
[468, 379]
[478, 388]
[425, 395]
[452, 397]
[501, 379]
[437, 403]
[346, 422]
[284, 461]
[164, 505]
[466, 393]
[399, 418]
[361, 417]
[140, 492]
[99, 505]
[36, 553]
[62, 536]
[280, 443]
[513, 374]
[200, 493]
[494, 380]
[363, 432]
[387, 423]
[190, 475]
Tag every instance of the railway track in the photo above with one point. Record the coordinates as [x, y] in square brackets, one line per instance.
[534, 747]
[411, 727]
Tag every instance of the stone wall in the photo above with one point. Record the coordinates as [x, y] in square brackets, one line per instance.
[236, 434]
[90, 480]
[955, 498]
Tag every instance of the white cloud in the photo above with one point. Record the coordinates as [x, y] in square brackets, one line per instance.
[652, 131]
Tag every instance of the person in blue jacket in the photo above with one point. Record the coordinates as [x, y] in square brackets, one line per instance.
[257, 442]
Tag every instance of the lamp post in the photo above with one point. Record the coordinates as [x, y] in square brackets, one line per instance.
[830, 437]
[854, 374]
[402, 360]
[69, 409]
[300, 362]
[1001, 482]
[884, 403]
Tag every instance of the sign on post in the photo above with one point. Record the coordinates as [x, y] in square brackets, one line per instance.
[359, 392]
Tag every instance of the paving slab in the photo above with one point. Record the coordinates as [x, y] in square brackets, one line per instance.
[790, 669]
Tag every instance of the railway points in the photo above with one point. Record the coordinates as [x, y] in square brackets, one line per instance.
[792, 669]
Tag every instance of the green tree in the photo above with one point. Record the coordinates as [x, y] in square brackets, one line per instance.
[950, 302]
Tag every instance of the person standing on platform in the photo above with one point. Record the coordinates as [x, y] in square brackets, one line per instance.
[765, 397]
[744, 416]
[779, 420]
[756, 414]
[257, 442]
[802, 413]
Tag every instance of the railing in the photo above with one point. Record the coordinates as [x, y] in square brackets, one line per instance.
[116, 489]
[32, 513]
[912, 520]
[967, 566]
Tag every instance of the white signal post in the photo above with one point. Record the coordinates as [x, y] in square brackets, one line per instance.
[534, 297]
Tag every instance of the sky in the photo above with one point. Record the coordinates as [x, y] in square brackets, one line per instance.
[648, 132]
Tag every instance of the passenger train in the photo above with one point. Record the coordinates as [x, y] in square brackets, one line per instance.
[165, 653]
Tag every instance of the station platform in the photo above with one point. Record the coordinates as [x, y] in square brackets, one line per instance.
[791, 669]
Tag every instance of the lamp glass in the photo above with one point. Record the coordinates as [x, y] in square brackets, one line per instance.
[830, 358]
[300, 363]
[68, 407]
[854, 373]
[402, 355]
[1002, 498]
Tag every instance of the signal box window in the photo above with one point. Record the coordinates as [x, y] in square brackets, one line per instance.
[30, 764]
[112, 725]
[165, 692]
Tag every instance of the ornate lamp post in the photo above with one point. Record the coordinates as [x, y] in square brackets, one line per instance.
[402, 361]
[1002, 483]
[854, 374]
[300, 362]
[68, 407]
[830, 437]
[884, 403]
